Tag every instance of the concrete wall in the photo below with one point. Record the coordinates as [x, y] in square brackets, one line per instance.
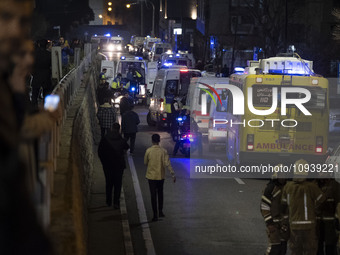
[72, 180]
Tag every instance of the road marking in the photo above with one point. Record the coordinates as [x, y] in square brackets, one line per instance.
[150, 249]
[239, 181]
[126, 226]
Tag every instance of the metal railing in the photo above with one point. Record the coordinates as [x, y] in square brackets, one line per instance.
[49, 143]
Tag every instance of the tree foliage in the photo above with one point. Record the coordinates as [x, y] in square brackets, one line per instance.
[336, 32]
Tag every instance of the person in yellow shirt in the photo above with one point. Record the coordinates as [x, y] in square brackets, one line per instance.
[157, 159]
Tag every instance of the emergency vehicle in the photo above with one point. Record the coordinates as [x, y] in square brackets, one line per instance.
[276, 136]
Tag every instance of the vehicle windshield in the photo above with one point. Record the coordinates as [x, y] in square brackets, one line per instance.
[116, 41]
[171, 87]
[182, 63]
[159, 50]
[185, 81]
[262, 96]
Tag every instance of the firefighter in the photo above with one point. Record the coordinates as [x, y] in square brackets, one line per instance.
[327, 220]
[302, 198]
[102, 76]
[277, 226]
[116, 83]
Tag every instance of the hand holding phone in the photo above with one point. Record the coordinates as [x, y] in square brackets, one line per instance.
[51, 102]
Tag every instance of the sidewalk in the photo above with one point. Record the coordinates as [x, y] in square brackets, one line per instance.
[106, 235]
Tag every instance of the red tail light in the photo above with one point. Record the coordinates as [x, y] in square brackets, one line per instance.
[250, 142]
[319, 144]
[184, 70]
[161, 100]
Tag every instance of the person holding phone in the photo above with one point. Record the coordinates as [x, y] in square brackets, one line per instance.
[157, 159]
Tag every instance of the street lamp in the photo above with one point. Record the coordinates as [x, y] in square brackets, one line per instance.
[109, 3]
[100, 16]
[153, 18]
[109, 9]
[128, 5]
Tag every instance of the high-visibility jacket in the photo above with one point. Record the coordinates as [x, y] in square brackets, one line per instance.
[271, 203]
[115, 84]
[102, 77]
[302, 199]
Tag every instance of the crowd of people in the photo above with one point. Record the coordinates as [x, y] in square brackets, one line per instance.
[301, 212]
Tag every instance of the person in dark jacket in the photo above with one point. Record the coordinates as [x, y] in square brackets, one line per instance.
[111, 153]
[41, 72]
[124, 104]
[130, 121]
[103, 91]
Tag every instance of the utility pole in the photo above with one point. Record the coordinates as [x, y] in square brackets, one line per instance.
[141, 18]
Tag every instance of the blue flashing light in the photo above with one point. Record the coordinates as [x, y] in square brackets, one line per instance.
[170, 56]
[95, 35]
[133, 89]
[287, 72]
[108, 35]
[138, 58]
[184, 117]
[178, 55]
[167, 64]
[239, 69]
[123, 57]
[179, 119]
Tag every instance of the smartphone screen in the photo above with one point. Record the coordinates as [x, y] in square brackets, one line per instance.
[51, 102]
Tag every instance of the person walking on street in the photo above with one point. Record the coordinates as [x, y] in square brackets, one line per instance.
[130, 121]
[157, 159]
[111, 153]
[277, 226]
[302, 198]
[106, 116]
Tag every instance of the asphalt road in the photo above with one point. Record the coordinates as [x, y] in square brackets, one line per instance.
[203, 216]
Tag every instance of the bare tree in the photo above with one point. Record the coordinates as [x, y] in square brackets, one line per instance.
[270, 18]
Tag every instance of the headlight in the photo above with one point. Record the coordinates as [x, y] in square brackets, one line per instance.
[117, 100]
[110, 47]
[119, 47]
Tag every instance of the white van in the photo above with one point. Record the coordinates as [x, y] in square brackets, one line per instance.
[194, 100]
[175, 59]
[158, 49]
[110, 74]
[169, 83]
[217, 134]
[148, 43]
[137, 63]
[151, 75]
[115, 44]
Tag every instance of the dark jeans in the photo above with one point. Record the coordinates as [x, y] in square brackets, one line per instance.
[35, 92]
[156, 191]
[132, 137]
[113, 179]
